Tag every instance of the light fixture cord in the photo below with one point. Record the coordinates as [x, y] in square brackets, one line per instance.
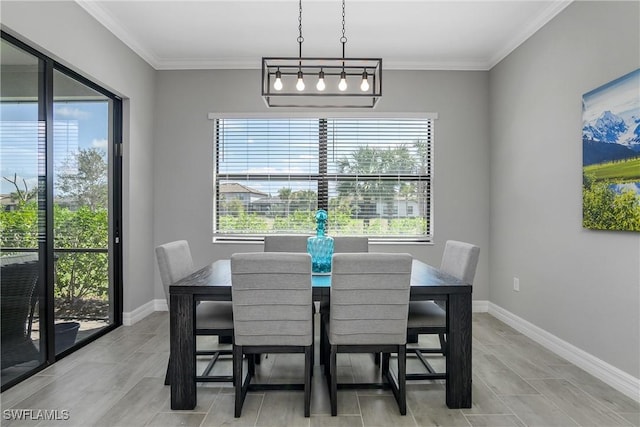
[300, 38]
[343, 39]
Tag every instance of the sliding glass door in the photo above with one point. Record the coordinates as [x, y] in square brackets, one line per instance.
[60, 213]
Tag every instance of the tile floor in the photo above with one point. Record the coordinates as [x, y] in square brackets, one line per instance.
[118, 381]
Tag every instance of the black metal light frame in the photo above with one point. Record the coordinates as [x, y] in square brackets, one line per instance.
[331, 97]
[337, 94]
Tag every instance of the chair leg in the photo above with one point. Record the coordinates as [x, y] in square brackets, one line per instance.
[308, 369]
[402, 379]
[321, 341]
[385, 362]
[334, 381]
[168, 374]
[443, 344]
[237, 377]
[252, 360]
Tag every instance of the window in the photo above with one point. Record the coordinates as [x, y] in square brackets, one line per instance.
[372, 175]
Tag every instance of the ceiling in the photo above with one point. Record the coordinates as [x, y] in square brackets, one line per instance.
[423, 35]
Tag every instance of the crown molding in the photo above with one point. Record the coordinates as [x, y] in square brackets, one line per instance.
[111, 24]
[254, 64]
[540, 21]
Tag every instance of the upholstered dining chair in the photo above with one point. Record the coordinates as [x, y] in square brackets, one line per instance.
[213, 318]
[368, 314]
[272, 313]
[350, 244]
[341, 244]
[460, 260]
[285, 243]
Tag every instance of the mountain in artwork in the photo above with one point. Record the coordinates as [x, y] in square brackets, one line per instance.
[610, 137]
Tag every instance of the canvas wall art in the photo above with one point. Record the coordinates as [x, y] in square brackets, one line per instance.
[611, 155]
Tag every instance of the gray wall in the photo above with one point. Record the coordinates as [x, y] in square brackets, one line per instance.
[580, 285]
[183, 155]
[68, 34]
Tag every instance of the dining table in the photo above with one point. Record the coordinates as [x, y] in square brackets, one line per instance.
[213, 283]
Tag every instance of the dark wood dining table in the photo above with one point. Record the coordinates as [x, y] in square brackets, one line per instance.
[213, 282]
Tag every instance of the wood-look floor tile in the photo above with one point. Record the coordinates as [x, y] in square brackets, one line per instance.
[521, 363]
[363, 368]
[429, 408]
[486, 320]
[499, 377]
[176, 419]
[138, 406]
[118, 380]
[24, 390]
[494, 421]
[337, 421]
[282, 408]
[535, 351]
[382, 410]
[488, 336]
[633, 418]
[603, 393]
[221, 412]
[484, 400]
[585, 410]
[538, 411]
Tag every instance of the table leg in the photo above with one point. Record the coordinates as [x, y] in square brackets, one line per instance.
[183, 357]
[459, 351]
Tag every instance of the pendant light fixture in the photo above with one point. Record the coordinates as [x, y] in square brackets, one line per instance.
[341, 82]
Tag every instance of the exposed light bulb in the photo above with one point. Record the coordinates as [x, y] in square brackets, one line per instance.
[343, 82]
[321, 85]
[364, 86]
[300, 84]
[277, 85]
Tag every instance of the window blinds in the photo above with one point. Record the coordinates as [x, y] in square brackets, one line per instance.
[371, 175]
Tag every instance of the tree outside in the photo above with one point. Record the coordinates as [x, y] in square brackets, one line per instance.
[80, 223]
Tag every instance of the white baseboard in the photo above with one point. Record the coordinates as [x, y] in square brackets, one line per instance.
[131, 317]
[616, 378]
[160, 305]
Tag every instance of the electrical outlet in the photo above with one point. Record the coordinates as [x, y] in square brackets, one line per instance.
[516, 284]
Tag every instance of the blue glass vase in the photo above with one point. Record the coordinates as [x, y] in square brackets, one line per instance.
[320, 247]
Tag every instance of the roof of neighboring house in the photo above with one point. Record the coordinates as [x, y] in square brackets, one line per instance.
[5, 199]
[234, 187]
[267, 201]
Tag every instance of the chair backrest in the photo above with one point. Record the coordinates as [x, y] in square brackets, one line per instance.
[460, 260]
[174, 262]
[285, 243]
[344, 244]
[272, 300]
[18, 282]
[369, 298]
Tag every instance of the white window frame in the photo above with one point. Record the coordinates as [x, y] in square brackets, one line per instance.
[254, 238]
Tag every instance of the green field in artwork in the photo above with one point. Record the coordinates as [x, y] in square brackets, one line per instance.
[622, 171]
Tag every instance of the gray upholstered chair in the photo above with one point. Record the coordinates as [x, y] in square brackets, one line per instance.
[348, 244]
[285, 243]
[214, 318]
[429, 317]
[341, 244]
[272, 313]
[369, 305]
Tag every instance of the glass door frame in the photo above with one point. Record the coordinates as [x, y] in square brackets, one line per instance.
[46, 67]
